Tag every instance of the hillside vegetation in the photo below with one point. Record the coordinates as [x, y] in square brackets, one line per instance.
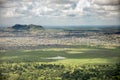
[27, 27]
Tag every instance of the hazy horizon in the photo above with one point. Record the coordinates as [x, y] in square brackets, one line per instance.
[71, 26]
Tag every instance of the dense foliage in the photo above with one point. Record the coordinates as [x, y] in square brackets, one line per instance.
[37, 71]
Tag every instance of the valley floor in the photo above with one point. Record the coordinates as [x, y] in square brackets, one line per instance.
[59, 55]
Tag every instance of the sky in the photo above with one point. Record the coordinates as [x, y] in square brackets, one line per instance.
[60, 12]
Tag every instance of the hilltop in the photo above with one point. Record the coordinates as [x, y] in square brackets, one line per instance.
[27, 27]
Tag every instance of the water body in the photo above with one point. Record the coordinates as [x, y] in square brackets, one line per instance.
[57, 57]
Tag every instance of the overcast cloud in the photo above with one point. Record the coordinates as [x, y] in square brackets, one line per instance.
[82, 10]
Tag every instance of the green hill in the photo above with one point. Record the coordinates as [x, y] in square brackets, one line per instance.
[27, 27]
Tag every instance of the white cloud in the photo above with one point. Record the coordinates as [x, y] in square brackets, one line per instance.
[82, 4]
[107, 2]
[106, 9]
[69, 8]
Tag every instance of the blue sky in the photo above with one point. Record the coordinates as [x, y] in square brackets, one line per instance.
[60, 12]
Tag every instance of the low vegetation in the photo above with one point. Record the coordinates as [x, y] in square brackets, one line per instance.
[61, 54]
[37, 71]
[78, 64]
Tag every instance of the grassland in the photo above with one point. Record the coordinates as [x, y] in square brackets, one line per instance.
[72, 55]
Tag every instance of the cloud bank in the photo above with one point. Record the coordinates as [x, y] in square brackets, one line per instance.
[103, 9]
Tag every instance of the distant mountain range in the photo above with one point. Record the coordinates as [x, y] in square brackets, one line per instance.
[27, 27]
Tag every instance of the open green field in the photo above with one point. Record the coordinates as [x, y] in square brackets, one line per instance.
[62, 55]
